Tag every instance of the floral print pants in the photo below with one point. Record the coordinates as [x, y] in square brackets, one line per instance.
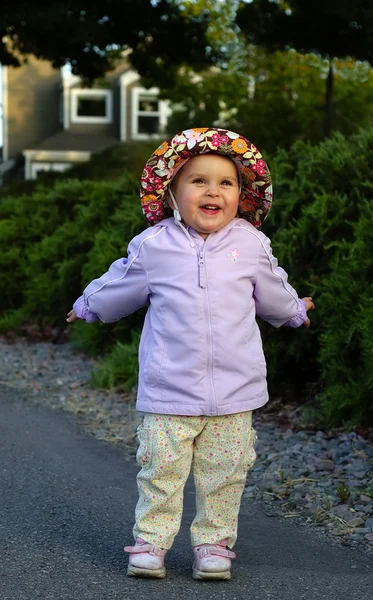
[221, 451]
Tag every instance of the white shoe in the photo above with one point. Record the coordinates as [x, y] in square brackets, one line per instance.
[212, 561]
[146, 560]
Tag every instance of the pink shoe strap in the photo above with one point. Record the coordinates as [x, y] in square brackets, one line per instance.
[210, 549]
[140, 548]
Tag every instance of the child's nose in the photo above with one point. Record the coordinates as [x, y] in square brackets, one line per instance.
[212, 190]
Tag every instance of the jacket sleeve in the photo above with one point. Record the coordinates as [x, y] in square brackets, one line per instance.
[300, 317]
[119, 292]
[276, 300]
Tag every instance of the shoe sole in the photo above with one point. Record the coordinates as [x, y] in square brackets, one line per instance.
[208, 575]
[150, 573]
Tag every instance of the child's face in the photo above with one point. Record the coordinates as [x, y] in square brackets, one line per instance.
[207, 193]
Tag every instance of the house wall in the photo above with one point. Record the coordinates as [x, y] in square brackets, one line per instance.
[110, 82]
[113, 79]
[120, 82]
[32, 105]
[40, 113]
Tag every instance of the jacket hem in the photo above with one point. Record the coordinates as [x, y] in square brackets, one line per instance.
[162, 408]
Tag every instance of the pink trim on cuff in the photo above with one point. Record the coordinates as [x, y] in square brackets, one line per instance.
[300, 317]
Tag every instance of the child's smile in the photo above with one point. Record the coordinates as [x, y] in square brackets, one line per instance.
[210, 209]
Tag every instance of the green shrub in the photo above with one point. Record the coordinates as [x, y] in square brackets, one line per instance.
[53, 242]
[322, 234]
[346, 344]
[120, 367]
[62, 238]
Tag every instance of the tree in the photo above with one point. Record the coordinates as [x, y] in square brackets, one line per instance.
[278, 101]
[91, 34]
[329, 28]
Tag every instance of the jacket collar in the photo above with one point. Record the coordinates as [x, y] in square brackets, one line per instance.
[214, 238]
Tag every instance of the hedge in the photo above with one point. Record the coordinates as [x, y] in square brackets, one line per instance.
[56, 239]
[322, 232]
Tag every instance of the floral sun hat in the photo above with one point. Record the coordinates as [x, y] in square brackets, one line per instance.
[256, 184]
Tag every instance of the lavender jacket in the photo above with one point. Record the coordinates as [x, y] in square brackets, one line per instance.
[200, 351]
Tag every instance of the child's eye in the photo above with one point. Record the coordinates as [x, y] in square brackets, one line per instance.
[198, 180]
[227, 182]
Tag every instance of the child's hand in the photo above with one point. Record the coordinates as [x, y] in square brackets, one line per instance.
[71, 316]
[309, 306]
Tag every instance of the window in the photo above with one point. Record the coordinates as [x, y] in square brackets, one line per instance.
[149, 116]
[91, 106]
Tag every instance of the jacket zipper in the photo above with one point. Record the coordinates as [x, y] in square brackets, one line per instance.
[202, 281]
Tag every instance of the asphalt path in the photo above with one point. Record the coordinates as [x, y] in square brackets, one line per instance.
[66, 510]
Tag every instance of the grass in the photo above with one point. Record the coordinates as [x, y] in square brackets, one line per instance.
[343, 492]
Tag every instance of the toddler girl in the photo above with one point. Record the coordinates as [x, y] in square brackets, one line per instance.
[206, 273]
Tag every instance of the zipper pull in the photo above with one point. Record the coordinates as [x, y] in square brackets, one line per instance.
[201, 271]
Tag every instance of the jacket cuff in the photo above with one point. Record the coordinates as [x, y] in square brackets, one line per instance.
[300, 317]
[83, 312]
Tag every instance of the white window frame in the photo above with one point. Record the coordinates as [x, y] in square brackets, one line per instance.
[162, 113]
[125, 80]
[37, 167]
[72, 157]
[107, 95]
